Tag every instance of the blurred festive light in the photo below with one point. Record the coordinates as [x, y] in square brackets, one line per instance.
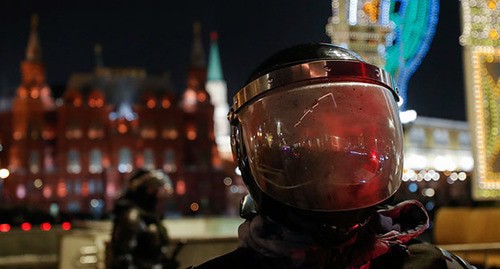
[482, 53]
[38, 183]
[429, 205]
[21, 191]
[228, 181]
[4, 227]
[415, 23]
[407, 116]
[194, 207]
[66, 226]
[466, 163]
[4, 173]
[45, 226]
[180, 187]
[428, 192]
[443, 163]
[413, 187]
[234, 189]
[26, 226]
[415, 161]
[94, 203]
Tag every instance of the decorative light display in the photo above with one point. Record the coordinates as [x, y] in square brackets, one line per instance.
[481, 23]
[480, 38]
[415, 23]
[362, 26]
[391, 33]
[486, 118]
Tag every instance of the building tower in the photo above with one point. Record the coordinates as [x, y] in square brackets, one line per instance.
[33, 131]
[217, 88]
[200, 147]
[361, 26]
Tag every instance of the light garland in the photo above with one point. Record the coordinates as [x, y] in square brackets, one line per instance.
[415, 26]
[486, 94]
[480, 36]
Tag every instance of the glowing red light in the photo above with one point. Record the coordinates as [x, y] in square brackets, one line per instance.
[214, 36]
[4, 227]
[45, 226]
[374, 160]
[66, 226]
[26, 226]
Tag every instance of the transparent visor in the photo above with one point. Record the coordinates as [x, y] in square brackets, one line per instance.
[328, 147]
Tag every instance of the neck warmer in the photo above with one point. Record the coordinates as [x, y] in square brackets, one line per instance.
[390, 227]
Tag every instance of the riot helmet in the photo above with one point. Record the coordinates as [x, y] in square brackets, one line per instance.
[317, 135]
[149, 188]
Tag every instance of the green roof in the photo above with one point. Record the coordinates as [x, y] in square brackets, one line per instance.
[214, 65]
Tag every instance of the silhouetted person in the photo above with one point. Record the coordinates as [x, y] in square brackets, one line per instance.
[319, 142]
[139, 239]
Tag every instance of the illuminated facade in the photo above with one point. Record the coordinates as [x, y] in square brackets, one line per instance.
[481, 47]
[438, 163]
[74, 155]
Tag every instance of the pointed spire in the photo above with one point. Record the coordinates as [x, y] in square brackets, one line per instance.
[214, 65]
[34, 52]
[197, 54]
[98, 55]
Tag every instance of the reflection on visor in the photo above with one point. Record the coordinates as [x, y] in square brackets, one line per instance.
[325, 148]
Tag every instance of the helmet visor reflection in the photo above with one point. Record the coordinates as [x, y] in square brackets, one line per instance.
[330, 146]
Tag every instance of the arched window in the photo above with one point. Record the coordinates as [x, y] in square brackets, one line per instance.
[169, 161]
[441, 137]
[96, 131]
[34, 162]
[62, 190]
[21, 191]
[95, 161]
[73, 131]
[148, 132]
[47, 192]
[191, 132]
[48, 159]
[73, 166]
[74, 206]
[78, 187]
[169, 132]
[149, 159]
[125, 160]
[91, 186]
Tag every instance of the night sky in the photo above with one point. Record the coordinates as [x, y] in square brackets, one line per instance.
[157, 35]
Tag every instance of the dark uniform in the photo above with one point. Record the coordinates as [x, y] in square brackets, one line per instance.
[139, 240]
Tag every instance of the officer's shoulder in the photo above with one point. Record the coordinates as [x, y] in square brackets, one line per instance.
[418, 254]
[454, 261]
[434, 257]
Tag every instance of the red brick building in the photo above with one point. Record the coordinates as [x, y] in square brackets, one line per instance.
[73, 155]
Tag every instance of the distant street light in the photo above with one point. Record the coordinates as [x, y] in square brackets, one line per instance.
[4, 173]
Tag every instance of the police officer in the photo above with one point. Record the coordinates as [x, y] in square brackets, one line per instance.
[139, 240]
[317, 137]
